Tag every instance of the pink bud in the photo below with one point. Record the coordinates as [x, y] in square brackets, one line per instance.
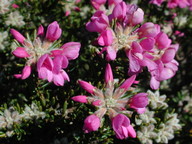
[128, 82]
[40, 30]
[20, 52]
[80, 98]
[105, 38]
[19, 37]
[91, 123]
[119, 11]
[99, 22]
[108, 74]
[137, 17]
[53, 31]
[15, 6]
[139, 100]
[86, 86]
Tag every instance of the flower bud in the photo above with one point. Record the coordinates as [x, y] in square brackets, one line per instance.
[128, 82]
[20, 52]
[91, 123]
[139, 100]
[86, 86]
[53, 31]
[19, 37]
[80, 98]
[108, 74]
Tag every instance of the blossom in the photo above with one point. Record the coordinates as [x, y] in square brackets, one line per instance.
[113, 102]
[44, 53]
[121, 126]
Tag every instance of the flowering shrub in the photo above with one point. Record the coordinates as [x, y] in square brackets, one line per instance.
[97, 71]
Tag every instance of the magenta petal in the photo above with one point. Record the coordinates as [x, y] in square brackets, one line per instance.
[58, 79]
[26, 72]
[108, 74]
[17, 76]
[169, 55]
[131, 131]
[128, 82]
[71, 50]
[148, 43]
[154, 84]
[134, 65]
[57, 61]
[166, 73]
[162, 40]
[111, 53]
[65, 75]
[20, 52]
[105, 38]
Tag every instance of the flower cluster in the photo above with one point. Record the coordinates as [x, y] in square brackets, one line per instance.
[146, 46]
[45, 53]
[113, 102]
[174, 3]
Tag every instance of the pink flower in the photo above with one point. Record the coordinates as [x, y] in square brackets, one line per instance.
[25, 73]
[99, 22]
[53, 31]
[121, 126]
[80, 98]
[97, 3]
[20, 52]
[105, 38]
[86, 86]
[91, 123]
[19, 37]
[52, 69]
